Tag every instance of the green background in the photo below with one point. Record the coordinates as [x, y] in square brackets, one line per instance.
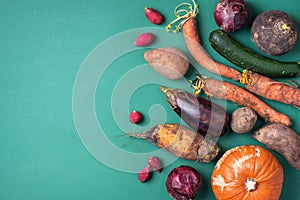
[43, 44]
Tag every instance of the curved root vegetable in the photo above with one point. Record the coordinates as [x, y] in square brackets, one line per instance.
[200, 114]
[248, 173]
[231, 15]
[227, 91]
[243, 120]
[193, 43]
[181, 142]
[170, 62]
[192, 40]
[273, 90]
[183, 183]
[282, 139]
[274, 32]
[154, 16]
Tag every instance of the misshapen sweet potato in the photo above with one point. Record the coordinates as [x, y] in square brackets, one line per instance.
[170, 62]
[281, 139]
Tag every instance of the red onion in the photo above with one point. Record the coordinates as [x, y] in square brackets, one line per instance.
[144, 174]
[154, 163]
[135, 117]
[231, 15]
[144, 39]
[183, 183]
[154, 16]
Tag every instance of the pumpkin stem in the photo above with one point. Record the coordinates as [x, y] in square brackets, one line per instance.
[251, 184]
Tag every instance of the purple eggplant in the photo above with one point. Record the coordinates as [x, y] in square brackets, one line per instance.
[203, 116]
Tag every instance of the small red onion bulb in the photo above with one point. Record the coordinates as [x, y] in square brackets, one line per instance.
[231, 15]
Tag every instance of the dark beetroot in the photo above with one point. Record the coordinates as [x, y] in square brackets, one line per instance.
[183, 183]
[274, 32]
[231, 15]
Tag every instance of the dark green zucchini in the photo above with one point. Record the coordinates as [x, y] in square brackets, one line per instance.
[242, 56]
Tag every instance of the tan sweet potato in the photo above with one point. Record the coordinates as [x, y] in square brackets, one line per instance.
[281, 139]
[170, 62]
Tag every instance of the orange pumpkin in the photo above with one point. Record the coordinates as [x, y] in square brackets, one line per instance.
[247, 172]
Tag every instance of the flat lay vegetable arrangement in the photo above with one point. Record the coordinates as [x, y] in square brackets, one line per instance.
[243, 172]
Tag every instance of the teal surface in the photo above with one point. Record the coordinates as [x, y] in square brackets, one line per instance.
[44, 46]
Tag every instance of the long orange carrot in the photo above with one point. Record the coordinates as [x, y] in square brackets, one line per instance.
[192, 40]
[224, 90]
[271, 89]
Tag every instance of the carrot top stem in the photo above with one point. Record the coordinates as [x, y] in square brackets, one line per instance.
[198, 84]
[183, 12]
[246, 77]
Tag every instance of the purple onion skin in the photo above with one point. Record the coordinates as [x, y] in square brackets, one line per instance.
[183, 183]
[231, 15]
